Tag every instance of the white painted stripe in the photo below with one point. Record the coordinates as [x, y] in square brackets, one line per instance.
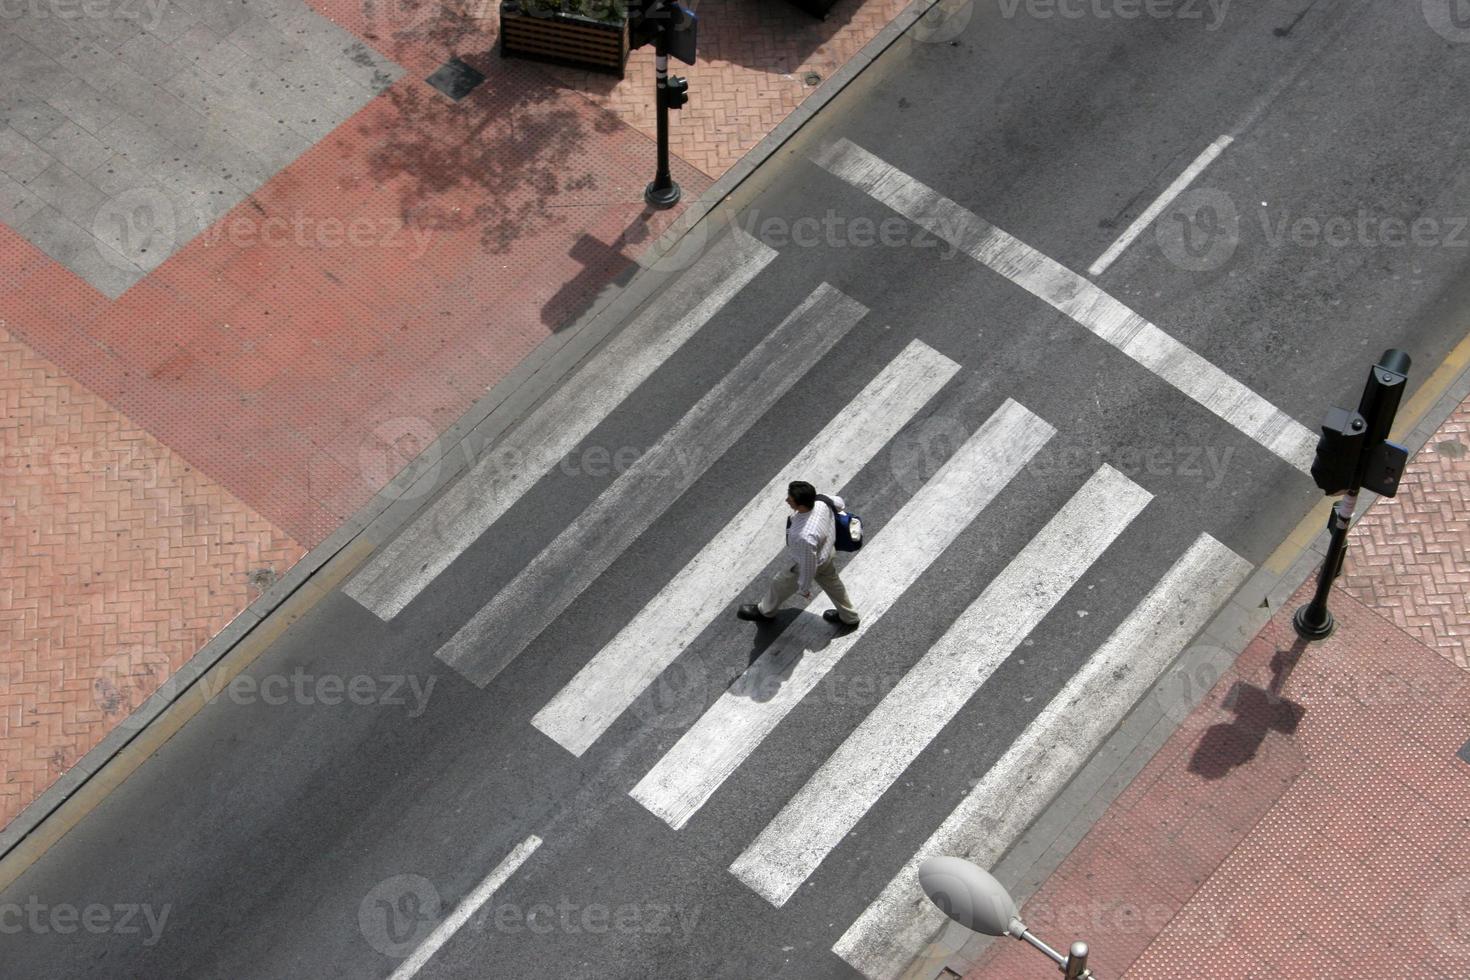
[442, 532]
[613, 679]
[938, 686]
[680, 783]
[1054, 746]
[1157, 208]
[543, 589]
[466, 908]
[1078, 298]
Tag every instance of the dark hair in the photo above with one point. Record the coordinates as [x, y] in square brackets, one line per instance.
[803, 493]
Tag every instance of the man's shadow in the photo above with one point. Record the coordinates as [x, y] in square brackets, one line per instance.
[1257, 712]
[776, 649]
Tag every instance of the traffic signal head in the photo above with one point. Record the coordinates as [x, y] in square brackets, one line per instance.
[646, 20]
[1339, 451]
[677, 93]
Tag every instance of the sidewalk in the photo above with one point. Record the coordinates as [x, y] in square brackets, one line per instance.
[1311, 817]
[251, 264]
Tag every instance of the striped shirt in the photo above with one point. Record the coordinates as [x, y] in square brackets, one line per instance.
[809, 539]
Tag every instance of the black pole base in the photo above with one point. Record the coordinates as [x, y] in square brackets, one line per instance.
[1309, 630]
[661, 197]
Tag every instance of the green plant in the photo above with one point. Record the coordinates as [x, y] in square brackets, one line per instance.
[606, 11]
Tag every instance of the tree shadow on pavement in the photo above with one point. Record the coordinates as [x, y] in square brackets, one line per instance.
[1258, 711]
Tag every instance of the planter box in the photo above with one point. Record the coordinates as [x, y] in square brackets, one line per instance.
[563, 39]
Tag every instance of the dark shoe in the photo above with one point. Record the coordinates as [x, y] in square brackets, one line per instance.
[753, 613]
[831, 616]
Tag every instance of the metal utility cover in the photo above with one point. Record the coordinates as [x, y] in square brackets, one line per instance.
[455, 79]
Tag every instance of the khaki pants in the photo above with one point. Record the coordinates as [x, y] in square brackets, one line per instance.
[783, 587]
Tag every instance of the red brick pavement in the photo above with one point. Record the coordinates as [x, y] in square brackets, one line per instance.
[284, 364]
[1310, 818]
[122, 560]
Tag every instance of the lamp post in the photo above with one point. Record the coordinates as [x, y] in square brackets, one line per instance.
[971, 896]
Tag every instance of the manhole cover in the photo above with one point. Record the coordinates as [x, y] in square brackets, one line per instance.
[811, 78]
[455, 79]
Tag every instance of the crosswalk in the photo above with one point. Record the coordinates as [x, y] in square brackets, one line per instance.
[623, 669]
[1083, 537]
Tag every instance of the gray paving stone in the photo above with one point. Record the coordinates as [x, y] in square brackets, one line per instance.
[140, 224]
[85, 106]
[122, 138]
[171, 20]
[56, 235]
[33, 118]
[112, 32]
[267, 41]
[16, 203]
[118, 174]
[20, 159]
[75, 148]
[220, 16]
[67, 192]
[105, 270]
[141, 144]
[151, 57]
[203, 49]
[51, 35]
[34, 70]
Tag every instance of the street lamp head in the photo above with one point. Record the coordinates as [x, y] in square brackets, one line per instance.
[970, 895]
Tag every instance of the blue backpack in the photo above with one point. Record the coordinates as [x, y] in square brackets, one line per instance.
[849, 527]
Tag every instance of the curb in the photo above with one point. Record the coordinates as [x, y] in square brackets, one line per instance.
[67, 800]
[1039, 851]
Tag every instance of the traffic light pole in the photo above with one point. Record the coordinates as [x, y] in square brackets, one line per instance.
[1374, 462]
[1314, 620]
[663, 192]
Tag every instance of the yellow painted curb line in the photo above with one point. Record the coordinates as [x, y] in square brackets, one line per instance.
[122, 765]
[1409, 417]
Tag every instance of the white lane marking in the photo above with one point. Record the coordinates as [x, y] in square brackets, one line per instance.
[878, 751]
[466, 908]
[1055, 745]
[1078, 298]
[1157, 208]
[613, 680]
[441, 533]
[545, 587]
[690, 772]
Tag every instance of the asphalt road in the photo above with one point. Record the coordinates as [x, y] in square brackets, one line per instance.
[308, 839]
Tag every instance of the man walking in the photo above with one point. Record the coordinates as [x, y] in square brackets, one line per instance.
[810, 535]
